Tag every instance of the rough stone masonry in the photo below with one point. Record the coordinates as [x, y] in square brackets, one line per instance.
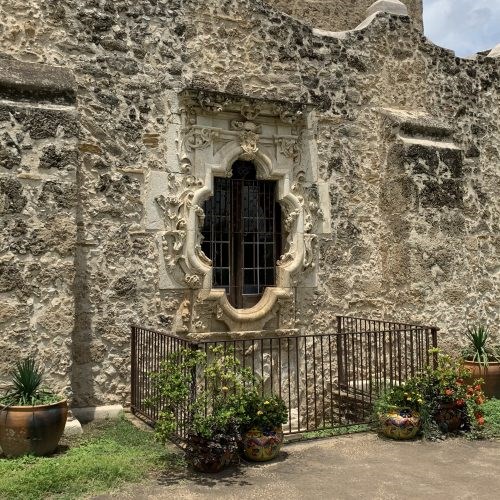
[115, 116]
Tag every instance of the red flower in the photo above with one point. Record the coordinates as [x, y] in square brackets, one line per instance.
[460, 381]
[477, 388]
[470, 389]
[460, 402]
[480, 420]
[449, 392]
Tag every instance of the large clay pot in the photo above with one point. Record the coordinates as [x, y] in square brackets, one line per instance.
[449, 417]
[400, 423]
[262, 445]
[490, 374]
[32, 429]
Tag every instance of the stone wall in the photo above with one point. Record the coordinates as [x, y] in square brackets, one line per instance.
[38, 198]
[337, 15]
[407, 140]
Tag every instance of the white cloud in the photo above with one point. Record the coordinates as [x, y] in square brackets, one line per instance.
[465, 26]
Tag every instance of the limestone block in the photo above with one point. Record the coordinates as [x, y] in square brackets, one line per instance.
[73, 428]
[157, 184]
[90, 413]
[389, 6]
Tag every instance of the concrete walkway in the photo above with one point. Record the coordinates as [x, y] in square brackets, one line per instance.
[361, 466]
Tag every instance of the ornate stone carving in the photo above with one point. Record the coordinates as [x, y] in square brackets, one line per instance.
[250, 112]
[289, 148]
[184, 316]
[176, 207]
[288, 115]
[249, 143]
[211, 103]
[199, 138]
[308, 197]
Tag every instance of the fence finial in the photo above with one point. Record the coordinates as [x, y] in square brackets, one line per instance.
[389, 6]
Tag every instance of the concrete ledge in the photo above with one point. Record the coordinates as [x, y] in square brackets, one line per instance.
[90, 413]
[36, 82]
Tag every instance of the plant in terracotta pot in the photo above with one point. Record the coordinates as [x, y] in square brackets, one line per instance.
[200, 395]
[262, 420]
[483, 359]
[32, 419]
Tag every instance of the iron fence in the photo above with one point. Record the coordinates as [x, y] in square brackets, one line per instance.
[327, 380]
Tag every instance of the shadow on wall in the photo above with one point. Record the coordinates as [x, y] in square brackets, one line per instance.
[82, 378]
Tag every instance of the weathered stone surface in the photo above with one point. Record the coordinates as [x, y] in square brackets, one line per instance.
[404, 139]
[336, 15]
[20, 80]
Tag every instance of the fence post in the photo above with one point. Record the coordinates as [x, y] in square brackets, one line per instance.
[434, 345]
[340, 354]
[133, 368]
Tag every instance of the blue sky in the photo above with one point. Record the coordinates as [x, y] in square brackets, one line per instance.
[465, 26]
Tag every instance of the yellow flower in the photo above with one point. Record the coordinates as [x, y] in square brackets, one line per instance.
[260, 412]
[266, 402]
[225, 388]
[420, 401]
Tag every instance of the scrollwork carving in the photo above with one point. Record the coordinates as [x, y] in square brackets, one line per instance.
[199, 138]
[289, 148]
[176, 207]
[308, 197]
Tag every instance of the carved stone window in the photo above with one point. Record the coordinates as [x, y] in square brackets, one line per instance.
[242, 235]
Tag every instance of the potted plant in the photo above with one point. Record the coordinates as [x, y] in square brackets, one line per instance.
[436, 401]
[32, 419]
[200, 395]
[397, 411]
[262, 420]
[482, 359]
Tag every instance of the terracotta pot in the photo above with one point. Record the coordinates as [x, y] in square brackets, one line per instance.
[400, 423]
[32, 429]
[490, 374]
[261, 445]
[449, 417]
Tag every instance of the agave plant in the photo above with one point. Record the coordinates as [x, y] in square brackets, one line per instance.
[26, 387]
[478, 349]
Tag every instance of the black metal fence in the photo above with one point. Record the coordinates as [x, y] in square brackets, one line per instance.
[327, 381]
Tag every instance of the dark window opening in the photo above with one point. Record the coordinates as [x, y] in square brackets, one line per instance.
[242, 234]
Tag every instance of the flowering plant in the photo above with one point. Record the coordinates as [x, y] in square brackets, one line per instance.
[437, 386]
[446, 384]
[262, 411]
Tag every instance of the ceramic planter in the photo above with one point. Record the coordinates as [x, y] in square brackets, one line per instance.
[490, 374]
[32, 429]
[262, 445]
[400, 423]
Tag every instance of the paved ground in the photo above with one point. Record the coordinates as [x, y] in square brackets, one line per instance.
[361, 466]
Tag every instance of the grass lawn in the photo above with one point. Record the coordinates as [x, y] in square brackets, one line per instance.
[106, 456]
